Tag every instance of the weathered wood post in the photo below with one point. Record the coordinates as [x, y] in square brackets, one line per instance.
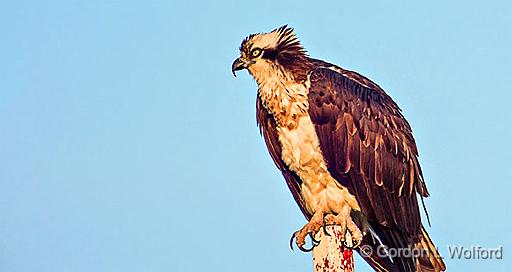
[330, 255]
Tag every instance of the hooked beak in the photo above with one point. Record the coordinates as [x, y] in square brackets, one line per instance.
[237, 65]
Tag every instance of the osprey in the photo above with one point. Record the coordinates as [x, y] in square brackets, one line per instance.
[344, 148]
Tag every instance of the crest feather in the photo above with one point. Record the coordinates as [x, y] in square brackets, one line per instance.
[279, 41]
[288, 43]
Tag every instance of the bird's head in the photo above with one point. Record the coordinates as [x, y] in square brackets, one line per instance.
[263, 53]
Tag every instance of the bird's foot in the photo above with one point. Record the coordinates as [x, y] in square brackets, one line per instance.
[310, 229]
[347, 225]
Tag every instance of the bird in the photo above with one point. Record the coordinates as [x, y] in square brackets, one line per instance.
[344, 148]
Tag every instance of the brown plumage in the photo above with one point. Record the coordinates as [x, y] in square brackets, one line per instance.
[365, 141]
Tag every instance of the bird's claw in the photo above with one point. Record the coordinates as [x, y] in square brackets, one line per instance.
[352, 235]
[347, 245]
[310, 229]
[350, 241]
[314, 242]
[303, 249]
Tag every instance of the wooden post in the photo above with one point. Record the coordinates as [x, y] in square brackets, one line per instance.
[330, 255]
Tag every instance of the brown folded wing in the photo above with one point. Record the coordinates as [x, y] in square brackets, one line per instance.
[369, 147]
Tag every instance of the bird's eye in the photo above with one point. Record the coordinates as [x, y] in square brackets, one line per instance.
[256, 52]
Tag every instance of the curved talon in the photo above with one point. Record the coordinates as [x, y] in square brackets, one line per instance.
[302, 248]
[325, 231]
[315, 241]
[291, 240]
[345, 240]
[345, 245]
[324, 227]
[310, 229]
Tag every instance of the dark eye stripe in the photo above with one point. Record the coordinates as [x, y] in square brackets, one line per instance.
[269, 54]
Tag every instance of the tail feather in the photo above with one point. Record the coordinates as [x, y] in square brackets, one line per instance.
[429, 262]
[432, 262]
[374, 253]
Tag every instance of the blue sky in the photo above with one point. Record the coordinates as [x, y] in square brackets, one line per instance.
[127, 145]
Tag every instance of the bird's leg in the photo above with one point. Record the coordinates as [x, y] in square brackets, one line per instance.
[344, 220]
[310, 229]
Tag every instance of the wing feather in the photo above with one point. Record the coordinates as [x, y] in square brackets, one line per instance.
[368, 146]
